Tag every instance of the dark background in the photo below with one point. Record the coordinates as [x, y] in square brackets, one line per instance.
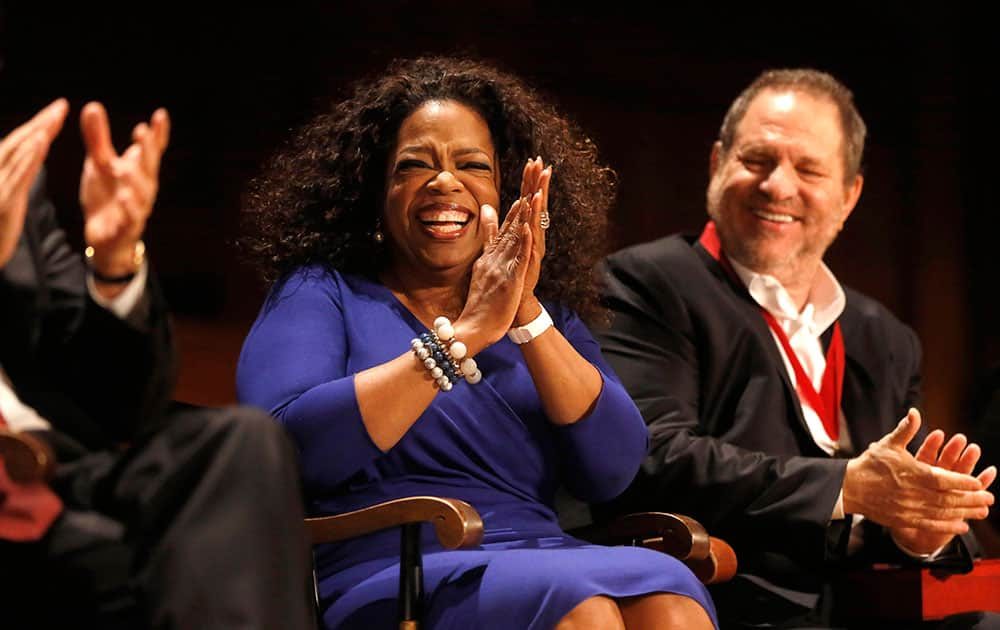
[651, 90]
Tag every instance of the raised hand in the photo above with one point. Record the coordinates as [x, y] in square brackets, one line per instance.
[891, 487]
[22, 153]
[535, 188]
[958, 455]
[498, 277]
[117, 191]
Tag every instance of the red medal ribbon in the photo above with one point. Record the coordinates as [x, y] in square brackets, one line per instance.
[826, 402]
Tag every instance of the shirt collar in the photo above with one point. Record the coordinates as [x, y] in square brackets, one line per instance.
[825, 304]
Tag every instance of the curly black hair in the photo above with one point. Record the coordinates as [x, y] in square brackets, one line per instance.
[318, 199]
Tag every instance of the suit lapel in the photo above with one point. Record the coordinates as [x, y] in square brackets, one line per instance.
[859, 402]
[751, 314]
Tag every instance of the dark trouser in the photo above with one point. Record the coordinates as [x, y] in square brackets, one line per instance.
[199, 526]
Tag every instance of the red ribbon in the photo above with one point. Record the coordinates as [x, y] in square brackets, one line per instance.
[826, 402]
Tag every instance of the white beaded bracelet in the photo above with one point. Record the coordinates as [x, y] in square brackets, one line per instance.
[444, 357]
[456, 350]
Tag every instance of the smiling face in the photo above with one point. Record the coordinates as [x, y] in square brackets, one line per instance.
[778, 195]
[442, 169]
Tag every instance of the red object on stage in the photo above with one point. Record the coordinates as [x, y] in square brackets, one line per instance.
[895, 593]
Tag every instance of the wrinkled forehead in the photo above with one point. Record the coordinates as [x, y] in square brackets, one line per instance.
[800, 119]
[798, 111]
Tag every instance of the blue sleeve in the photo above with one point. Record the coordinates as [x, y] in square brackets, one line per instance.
[602, 452]
[294, 365]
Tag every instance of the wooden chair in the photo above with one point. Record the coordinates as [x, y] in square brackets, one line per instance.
[458, 525]
[26, 458]
[711, 559]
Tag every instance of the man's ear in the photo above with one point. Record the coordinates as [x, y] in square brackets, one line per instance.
[851, 195]
[714, 158]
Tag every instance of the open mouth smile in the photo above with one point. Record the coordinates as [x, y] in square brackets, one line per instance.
[775, 217]
[444, 220]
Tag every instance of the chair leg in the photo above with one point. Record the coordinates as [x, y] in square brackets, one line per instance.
[315, 592]
[411, 578]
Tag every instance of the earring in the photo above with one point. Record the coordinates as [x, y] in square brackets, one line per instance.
[377, 235]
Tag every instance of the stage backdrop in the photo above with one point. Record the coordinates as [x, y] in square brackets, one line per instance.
[651, 90]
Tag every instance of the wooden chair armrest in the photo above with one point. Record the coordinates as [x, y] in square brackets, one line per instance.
[26, 458]
[720, 564]
[456, 523]
[711, 559]
[674, 534]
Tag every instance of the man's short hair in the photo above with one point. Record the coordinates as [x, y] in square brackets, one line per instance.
[810, 81]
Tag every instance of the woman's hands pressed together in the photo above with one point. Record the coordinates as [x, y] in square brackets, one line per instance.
[534, 188]
[502, 287]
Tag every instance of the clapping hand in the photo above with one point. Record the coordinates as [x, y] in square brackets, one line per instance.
[498, 276]
[501, 291]
[924, 502]
[117, 191]
[22, 153]
[958, 455]
[535, 189]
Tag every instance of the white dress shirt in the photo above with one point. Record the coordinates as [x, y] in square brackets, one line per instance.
[804, 330]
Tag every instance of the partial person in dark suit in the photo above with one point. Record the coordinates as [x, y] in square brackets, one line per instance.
[153, 519]
[773, 394]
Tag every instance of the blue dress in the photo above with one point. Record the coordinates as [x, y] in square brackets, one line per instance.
[489, 444]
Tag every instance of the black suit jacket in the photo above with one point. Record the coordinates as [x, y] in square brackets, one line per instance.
[98, 379]
[730, 446]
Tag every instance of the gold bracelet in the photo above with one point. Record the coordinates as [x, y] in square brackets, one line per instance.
[138, 257]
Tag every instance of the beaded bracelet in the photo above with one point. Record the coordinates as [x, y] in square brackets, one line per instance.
[456, 351]
[444, 356]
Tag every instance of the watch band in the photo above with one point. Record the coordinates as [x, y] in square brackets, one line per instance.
[524, 334]
[138, 257]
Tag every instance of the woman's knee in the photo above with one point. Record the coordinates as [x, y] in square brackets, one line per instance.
[597, 613]
[664, 610]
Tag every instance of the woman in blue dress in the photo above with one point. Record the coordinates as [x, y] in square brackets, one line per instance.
[416, 341]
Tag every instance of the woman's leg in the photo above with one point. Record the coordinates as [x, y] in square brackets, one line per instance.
[664, 610]
[594, 613]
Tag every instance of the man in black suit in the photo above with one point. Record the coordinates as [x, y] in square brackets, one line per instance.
[773, 395]
[154, 518]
